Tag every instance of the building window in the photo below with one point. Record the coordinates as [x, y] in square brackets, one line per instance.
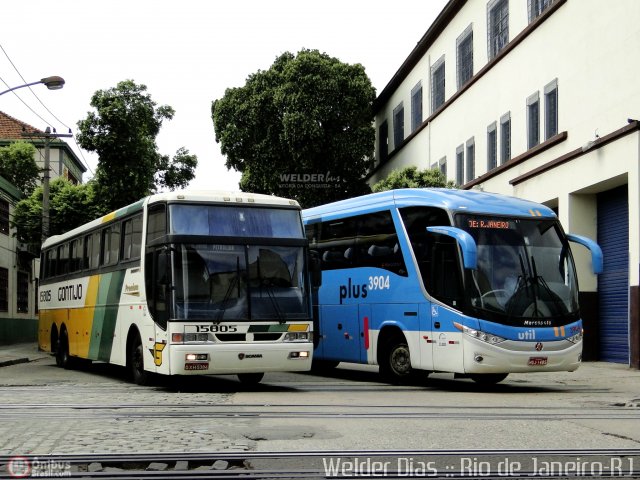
[4, 290]
[4, 217]
[460, 165]
[471, 159]
[443, 166]
[505, 138]
[464, 52]
[492, 147]
[551, 110]
[383, 142]
[437, 84]
[497, 26]
[416, 107]
[398, 126]
[533, 120]
[23, 292]
[536, 7]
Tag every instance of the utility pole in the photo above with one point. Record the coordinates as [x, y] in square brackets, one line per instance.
[46, 176]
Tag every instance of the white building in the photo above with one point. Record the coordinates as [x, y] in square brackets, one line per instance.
[537, 99]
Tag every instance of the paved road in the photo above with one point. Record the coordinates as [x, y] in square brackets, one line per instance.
[46, 410]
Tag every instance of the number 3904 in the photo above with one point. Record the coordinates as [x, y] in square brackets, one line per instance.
[380, 282]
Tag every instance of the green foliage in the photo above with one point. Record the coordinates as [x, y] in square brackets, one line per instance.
[310, 116]
[177, 172]
[410, 177]
[123, 131]
[17, 165]
[69, 206]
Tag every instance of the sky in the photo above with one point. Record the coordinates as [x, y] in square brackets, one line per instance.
[187, 53]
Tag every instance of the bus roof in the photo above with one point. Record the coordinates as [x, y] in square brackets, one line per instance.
[211, 196]
[453, 200]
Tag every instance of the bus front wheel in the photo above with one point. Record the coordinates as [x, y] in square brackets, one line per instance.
[136, 362]
[395, 362]
[250, 378]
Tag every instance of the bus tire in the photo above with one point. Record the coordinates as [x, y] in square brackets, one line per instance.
[488, 378]
[135, 361]
[63, 359]
[395, 361]
[250, 378]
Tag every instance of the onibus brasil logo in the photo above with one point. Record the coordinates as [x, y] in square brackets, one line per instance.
[23, 467]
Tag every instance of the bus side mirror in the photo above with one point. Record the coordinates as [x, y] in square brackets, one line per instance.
[315, 267]
[597, 259]
[466, 242]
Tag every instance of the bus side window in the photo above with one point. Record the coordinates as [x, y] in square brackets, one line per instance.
[336, 243]
[110, 244]
[95, 250]
[75, 255]
[156, 222]
[131, 238]
[436, 255]
[63, 260]
[377, 243]
[86, 252]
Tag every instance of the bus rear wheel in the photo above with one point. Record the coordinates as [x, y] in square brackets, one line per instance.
[395, 361]
[136, 362]
[63, 359]
[488, 378]
[250, 378]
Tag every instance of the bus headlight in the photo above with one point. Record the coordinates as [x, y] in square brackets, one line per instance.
[298, 337]
[576, 338]
[479, 334]
[190, 337]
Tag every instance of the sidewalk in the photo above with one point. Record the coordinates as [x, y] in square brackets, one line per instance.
[20, 353]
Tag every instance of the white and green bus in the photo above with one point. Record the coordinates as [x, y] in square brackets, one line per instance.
[182, 283]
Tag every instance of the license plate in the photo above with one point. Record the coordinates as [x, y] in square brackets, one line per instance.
[196, 366]
[537, 361]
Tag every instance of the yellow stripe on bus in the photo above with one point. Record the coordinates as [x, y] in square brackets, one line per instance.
[81, 319]
[298, 328]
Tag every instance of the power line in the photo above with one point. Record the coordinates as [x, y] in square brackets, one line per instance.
[84, 161]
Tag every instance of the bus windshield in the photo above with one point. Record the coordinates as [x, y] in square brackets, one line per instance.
[525, 274]
[239, 282]
[235, 221]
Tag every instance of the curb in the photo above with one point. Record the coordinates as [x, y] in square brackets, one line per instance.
[13, 361]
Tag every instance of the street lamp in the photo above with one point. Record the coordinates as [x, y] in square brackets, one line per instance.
[52, 83]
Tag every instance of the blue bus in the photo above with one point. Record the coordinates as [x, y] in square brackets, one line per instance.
[445, 280]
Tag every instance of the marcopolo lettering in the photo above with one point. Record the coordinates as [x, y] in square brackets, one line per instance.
[70, 292]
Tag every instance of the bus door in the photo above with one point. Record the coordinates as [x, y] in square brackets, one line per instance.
[340, 326]
[447, 345]
[425, 314]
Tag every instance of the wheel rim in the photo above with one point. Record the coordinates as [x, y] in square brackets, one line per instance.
[400, 361]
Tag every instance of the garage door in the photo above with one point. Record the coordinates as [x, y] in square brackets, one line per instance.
[613, 283]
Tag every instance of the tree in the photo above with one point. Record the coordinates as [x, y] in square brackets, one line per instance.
[17, 165]
[410, 177]
[69, 206]
[123, 132]
[302, 129]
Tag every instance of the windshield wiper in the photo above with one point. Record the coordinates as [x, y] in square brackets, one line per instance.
[271, 295]
[539, 281]
[225, 300]
[524, 281]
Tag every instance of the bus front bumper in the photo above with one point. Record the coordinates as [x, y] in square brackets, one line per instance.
[520, 357]
[208, 359]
